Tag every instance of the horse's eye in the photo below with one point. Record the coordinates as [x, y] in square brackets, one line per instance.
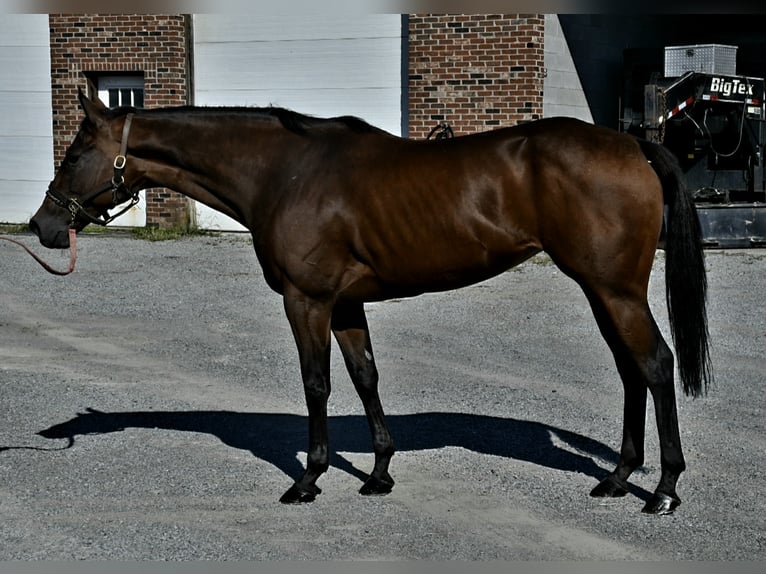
[72, 159]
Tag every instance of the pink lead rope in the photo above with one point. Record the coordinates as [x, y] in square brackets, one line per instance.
[48, 268]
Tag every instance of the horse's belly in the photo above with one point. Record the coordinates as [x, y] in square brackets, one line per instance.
[425, 270]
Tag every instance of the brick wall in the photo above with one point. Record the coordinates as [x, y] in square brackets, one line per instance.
[83, 45]
[477, 72]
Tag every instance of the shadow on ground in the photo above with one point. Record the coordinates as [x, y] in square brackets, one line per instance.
[277, 438]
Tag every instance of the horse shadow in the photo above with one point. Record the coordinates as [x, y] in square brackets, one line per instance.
[278, 438]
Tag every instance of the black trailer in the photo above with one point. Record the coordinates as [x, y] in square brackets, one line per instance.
[714, 123]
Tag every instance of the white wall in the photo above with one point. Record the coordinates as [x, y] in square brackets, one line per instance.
[26, 131]
[562, 90]
[317, 64]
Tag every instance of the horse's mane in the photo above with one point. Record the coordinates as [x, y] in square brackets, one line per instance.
[292, 121]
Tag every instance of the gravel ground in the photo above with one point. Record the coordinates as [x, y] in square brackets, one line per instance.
[152, 409]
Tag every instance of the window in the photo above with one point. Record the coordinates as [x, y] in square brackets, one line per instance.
[116, 90]
[121, 90]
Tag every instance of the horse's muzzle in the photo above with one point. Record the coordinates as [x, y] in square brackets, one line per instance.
[51, 236]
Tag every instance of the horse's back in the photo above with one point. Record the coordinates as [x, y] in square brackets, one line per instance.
[501, 195]
[399, 217]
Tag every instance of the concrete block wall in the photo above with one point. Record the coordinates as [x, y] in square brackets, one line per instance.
[564, 95]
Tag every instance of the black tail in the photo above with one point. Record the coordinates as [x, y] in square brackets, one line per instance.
[685, 278]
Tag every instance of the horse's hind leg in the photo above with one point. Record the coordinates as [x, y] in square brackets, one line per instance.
[643, 361]
[632, 449]
[349, 325]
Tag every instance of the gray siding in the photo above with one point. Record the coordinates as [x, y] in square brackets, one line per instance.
[562, 91]
[26, 132]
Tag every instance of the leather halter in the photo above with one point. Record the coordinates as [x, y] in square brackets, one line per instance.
[76, 205]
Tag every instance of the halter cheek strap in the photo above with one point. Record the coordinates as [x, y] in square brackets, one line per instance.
[121, 160]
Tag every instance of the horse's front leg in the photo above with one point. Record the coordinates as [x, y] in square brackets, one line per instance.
[349, 325]
[310, 322]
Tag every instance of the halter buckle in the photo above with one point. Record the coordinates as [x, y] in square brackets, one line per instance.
[120, 161]
[74, 207]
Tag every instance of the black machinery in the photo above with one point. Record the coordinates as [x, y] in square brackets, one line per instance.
[713, 121]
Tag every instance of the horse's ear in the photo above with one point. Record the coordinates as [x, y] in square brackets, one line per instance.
[94, 109]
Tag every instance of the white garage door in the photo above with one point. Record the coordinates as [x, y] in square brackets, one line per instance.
[322, 65]
[26, 131]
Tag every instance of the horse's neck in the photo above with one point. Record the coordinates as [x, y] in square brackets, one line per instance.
[208, 161]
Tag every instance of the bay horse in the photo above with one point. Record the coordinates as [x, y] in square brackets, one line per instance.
[342, 213]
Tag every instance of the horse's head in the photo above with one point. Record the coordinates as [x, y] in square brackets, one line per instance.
[91, 178]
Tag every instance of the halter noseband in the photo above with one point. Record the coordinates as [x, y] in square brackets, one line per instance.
[76, 205]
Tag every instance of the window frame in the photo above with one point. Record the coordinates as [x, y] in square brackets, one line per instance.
[115, 89]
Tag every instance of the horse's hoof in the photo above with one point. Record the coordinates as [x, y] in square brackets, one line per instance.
[377, 486]
[610, 487]
[661, 503]
[298, 494]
